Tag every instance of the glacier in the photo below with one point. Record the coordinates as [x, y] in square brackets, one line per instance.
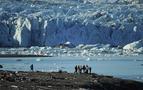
[26, 23]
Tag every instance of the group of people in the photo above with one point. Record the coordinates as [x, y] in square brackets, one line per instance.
[78, 68]
[82, 69]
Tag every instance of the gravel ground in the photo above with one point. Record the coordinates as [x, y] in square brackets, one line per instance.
[63, 81]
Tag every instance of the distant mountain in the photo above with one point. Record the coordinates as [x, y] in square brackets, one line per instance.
[54, 22]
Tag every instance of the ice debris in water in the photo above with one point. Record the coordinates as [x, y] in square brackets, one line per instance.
[38, 59]
[88, 59]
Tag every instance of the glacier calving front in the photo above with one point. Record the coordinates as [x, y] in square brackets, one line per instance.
[25, 24]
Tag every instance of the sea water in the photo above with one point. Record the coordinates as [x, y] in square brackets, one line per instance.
[127, 68]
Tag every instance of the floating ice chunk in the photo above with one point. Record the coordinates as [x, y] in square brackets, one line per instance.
[88, 59]
[38, 59]
[80, 46]
[89, 46]
[60, 7]
[77, 7]
[32, 5]
[133, 46]
[85, 52]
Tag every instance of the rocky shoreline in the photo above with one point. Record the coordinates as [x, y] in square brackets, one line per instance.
[21, 80]
[22, 55]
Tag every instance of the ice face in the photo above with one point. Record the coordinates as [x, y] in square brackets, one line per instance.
[51, 23]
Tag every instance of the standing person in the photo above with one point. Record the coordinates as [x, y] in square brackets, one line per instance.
[84, 68]
[1, 66]
[86, 71]
[76, 69]
[31, 67]
[90, 70]
[79, 69]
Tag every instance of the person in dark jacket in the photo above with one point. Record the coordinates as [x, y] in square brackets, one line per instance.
[76, 69]
[89, 68]
[31, 67]
[84, 68]
[79, 67]
[1, 66]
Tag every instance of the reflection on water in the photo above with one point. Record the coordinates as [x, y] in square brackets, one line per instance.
[129, 68]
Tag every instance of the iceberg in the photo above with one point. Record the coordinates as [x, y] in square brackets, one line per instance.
[133, 46]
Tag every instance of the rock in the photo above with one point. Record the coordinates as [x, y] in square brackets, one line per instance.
[14, 86]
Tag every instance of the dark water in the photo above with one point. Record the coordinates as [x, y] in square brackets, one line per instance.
[127, 68]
